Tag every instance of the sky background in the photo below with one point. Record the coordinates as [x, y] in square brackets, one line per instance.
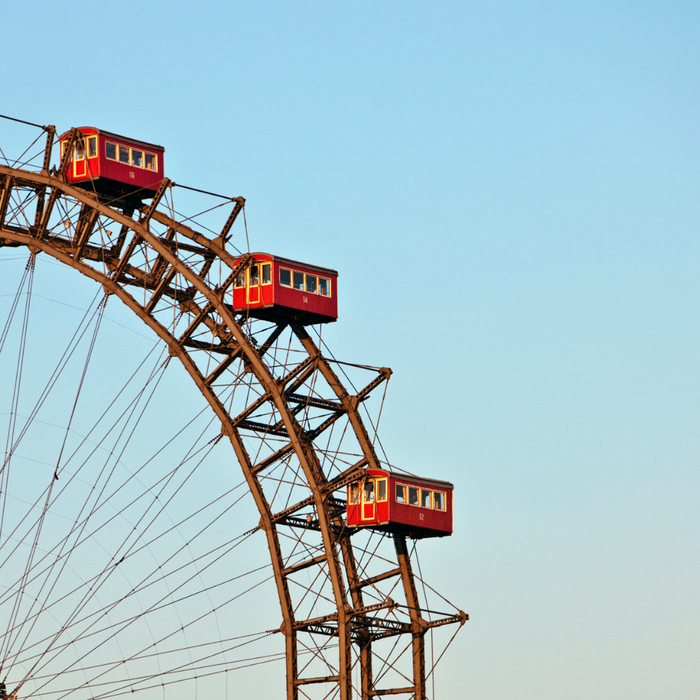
[509, 192]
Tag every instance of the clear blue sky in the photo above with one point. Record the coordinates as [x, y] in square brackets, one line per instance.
[510, 192]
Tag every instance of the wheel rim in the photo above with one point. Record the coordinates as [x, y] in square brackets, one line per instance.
[298, 435]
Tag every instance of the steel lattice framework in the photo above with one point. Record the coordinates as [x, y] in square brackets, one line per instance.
[177, 281]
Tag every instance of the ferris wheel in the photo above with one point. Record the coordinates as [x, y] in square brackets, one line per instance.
[193, 500]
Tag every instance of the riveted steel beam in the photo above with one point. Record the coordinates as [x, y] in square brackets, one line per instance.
[320, 679]
[5, 196]
[379, 577]
[83, 230]
[288, 570]
[393, 691]
[237, 209]
[150, 209]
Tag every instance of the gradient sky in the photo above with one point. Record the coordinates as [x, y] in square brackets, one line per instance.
[510, 193]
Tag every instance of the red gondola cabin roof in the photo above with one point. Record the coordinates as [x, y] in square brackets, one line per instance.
[437, 483]
[116, 137]
[295, 263]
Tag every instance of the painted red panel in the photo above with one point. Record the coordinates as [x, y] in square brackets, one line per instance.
[304, 301]
[129, 174]
[278, 302]
[392, 516]
[110, 177]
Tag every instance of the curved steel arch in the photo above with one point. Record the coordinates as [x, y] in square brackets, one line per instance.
[180, 270]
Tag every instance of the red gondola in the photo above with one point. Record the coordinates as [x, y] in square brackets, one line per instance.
[113, 166]
[276, 289]
[402, 504]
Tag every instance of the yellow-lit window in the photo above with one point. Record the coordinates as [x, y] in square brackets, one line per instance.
[324, 287]
[266, 270]
[381, 490]
[79, 152]
[285, 277]
[137, 158]
[110, 150]
[150, 162]
[412, 496]
[124, 155]
[92, 146]
[240, 279]
[354, 494]
[400, 493]
[439, 500]
[298, 280]
[426, 500]
[311, 281]
[254, 275]
[368, 495]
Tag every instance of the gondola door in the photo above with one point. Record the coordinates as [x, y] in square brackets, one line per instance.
[253, 286]
[79, 160]
[367, 509]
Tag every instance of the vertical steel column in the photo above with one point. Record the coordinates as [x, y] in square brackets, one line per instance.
[325, 521]
[50, 135]
[41, 193]
[366, 667]
[365, 643]
[290, 644]
[418, 624]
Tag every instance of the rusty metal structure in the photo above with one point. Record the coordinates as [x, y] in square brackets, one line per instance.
[177, 281]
